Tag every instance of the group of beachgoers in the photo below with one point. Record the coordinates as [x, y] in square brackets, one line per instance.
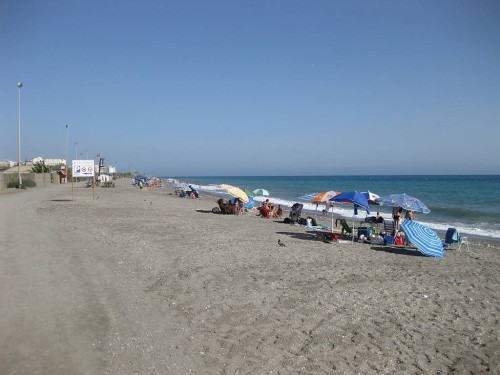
[269, 210]
[397, 216]
[231, 206]
[184, 193]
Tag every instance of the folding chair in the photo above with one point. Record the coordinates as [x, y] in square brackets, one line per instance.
[453, 237]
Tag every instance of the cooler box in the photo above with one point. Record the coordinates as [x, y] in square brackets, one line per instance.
[388, 240]
[367, 231]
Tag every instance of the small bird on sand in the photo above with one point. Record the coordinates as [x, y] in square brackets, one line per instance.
[281, 243]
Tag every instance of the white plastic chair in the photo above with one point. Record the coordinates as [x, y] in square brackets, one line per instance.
[463, 240]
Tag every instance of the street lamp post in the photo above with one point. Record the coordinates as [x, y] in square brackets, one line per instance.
[66, 149]
[19, 85]
[66, 154]
[76, 150]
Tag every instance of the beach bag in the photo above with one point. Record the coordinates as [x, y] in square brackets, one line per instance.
[311, 221]
[216, 210]
[302, 221]
[287, 220]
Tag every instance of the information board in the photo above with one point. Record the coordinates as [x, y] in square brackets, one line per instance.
[83, 168]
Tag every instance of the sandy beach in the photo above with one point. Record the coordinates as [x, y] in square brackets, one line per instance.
[146, 282]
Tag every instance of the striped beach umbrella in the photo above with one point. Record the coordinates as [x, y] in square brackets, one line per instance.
[308, 197]
[425, 239]
[260, 192]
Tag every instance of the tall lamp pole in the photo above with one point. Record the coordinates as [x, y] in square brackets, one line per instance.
[66, 149]
[19, 85]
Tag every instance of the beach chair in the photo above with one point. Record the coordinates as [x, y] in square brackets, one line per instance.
[346, 229]
[295, 212]
[388, 233]
[389, 228]
[453, 237]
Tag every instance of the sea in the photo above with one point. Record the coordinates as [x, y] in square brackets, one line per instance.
[471, 204]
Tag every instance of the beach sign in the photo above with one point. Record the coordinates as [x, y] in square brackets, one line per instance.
[83, 168]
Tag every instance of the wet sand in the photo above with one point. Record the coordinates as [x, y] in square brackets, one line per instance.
[146, 282]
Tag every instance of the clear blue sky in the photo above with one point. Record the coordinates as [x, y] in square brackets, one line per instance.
[255, 87]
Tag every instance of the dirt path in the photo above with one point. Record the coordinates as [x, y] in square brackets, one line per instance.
[49, 307]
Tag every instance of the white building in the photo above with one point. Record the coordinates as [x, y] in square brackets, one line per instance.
[107, 169]
[48, 162]
[7, 164]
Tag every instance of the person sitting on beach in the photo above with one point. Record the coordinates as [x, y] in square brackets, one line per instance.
[279, 212]
[239, 206]
[271, 207]
[222, 206]
[264, 212]
[233, 208]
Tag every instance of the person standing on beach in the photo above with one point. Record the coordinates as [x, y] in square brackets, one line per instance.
[396, 216]
[409, 215]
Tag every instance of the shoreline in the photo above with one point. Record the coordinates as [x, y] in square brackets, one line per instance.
[461, 211]
[482, 241]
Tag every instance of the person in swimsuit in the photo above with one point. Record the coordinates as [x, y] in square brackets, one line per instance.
[396, 216]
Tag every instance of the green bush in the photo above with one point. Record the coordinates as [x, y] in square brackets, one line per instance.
[40, 167]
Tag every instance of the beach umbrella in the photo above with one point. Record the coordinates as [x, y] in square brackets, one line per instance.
[235, 192]
[324, 196]
[357, 199]
[404, 201]
[250, 193]
[249, 204]
[371, 197]
[425, 239]
[193, 190]
[308, 197]
[178, 185]
[260, 192]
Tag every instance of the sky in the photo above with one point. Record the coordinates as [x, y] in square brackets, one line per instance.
[235, 88]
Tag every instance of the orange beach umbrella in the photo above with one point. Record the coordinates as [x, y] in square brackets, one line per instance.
[324, 196]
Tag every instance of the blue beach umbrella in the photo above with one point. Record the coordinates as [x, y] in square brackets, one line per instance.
[424, 238]
[404, 201]
[358, 199]
[193, 190]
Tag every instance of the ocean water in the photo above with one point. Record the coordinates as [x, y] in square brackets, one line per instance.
[469, 203]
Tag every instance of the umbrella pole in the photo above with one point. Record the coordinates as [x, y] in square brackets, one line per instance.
[353, 229]
[332, 227]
